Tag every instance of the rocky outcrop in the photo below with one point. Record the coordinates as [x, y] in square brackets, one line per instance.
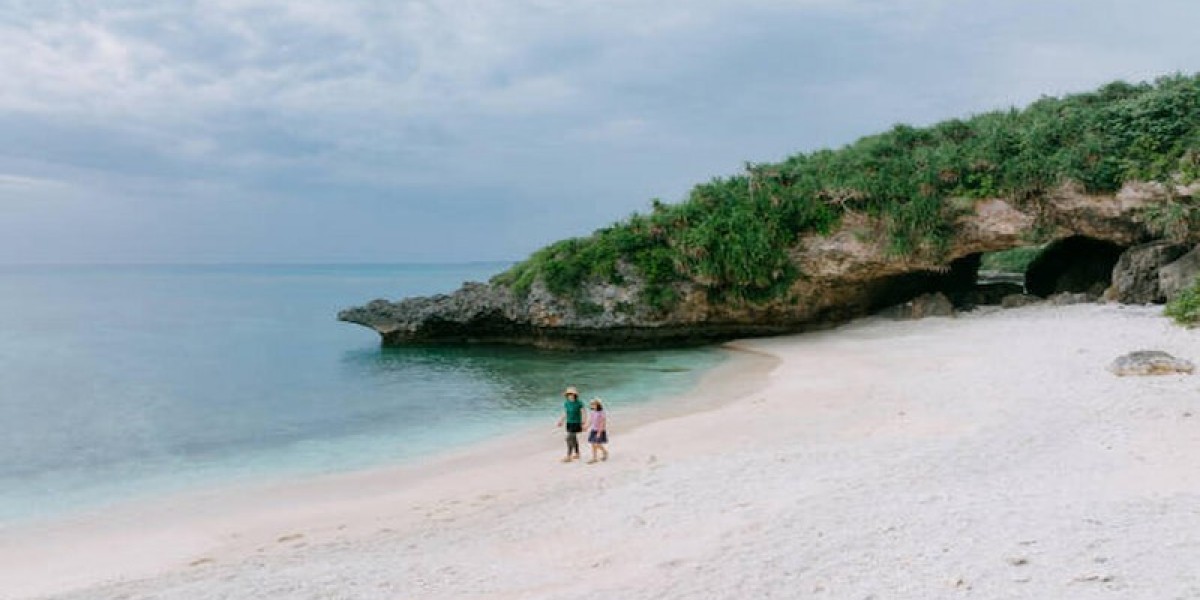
[847, 273]
[925, 305]
[1177, 276]
[1150, 362]
[1019, 300]
[1135, 278]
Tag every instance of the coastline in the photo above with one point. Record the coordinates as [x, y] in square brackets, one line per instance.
[142, 538]
[990, 455]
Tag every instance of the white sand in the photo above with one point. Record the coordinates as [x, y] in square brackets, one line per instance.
[989, 456]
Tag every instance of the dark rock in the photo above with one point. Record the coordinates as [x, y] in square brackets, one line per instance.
[1180, 274]
[1150, 362]
[963, 275]
[925, 305]
[1135, 278]
[1073, 264]
[989, 294]
[953, 281]
[1019, 300]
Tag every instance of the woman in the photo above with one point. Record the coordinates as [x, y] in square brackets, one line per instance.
[598, 430]
[573, 418]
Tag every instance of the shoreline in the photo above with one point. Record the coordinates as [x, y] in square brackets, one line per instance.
[990, 455]
[142, 538]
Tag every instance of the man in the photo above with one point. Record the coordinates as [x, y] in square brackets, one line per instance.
[573, 418]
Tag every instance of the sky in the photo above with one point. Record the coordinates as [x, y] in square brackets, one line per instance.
[217, 131]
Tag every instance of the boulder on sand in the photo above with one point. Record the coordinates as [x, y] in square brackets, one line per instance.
[1150, 362]
[925, 305]
[1019, 300]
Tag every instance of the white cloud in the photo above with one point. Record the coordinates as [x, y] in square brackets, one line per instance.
[526, 99]
[24, 183]
[420, 59]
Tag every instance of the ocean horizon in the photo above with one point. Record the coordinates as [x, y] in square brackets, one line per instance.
[126, 381]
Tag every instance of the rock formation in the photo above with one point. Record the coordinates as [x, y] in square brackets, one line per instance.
[1175, 277]
[1135, 278]
[925, 305]
[1150, 362]
[845, 274]
[1018, 300]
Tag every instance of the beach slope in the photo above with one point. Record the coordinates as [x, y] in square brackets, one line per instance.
[986, 456]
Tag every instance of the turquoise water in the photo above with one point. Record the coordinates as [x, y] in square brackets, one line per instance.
[121, 382]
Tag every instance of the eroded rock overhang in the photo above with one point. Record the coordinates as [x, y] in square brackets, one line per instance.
[845, 274]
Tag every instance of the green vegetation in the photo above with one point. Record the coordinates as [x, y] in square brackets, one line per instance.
[1185, 308]
[1176, 219]
[732, 234]
[1010, 261]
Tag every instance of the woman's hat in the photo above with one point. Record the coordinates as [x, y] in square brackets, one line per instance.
[571, 391]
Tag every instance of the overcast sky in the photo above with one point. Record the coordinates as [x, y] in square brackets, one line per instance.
[453, 130]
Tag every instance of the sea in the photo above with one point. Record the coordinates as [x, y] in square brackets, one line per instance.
[128, 382]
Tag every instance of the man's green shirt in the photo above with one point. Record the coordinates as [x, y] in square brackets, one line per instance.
[574, 410]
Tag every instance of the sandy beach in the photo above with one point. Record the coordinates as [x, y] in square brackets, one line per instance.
[987, 456]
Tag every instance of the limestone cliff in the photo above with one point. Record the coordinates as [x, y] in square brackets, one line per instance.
[846, 273]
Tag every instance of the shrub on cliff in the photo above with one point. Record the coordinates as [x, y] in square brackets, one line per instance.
[731, 235]
[1185, 308]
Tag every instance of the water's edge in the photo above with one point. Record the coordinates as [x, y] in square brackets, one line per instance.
[741, 372]
[124, 382]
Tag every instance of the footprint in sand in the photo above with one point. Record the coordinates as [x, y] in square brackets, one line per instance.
[290, 538]
[201, 562]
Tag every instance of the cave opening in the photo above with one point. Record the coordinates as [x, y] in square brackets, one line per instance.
[1076, 264]
[1008, 265]
[958, 282]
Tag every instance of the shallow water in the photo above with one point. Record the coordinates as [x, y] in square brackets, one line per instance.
[120, 382]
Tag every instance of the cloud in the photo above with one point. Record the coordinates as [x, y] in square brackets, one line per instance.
[614, 130]
[549, 111]
[24, 183]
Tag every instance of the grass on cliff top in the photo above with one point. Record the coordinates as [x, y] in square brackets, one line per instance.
[732, 234]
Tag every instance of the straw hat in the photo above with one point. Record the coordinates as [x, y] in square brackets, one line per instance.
[571, 391]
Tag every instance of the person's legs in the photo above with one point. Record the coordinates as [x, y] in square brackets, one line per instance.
[603, 452]
[594, 446]
[569, 438]
[572, 445]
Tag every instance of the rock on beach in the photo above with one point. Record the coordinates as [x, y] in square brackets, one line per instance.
[1150, 362]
